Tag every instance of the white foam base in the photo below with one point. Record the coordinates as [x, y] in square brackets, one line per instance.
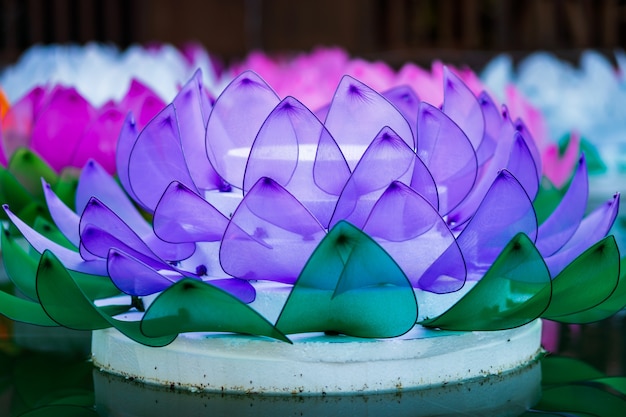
[317, 364]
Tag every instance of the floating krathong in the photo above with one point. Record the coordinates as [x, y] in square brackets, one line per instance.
[344, 226]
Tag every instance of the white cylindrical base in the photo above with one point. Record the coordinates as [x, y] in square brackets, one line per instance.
[317, 364]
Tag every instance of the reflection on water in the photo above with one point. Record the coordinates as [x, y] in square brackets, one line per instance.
[36, 384]
[503, 395]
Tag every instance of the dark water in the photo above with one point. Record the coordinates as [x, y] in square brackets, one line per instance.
[35, 383]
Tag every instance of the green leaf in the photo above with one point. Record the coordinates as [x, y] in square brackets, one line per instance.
[19, 309]
[350, 285]
[13, 193]
[586, 284]
[195, 306]
[66, 186]
[66, 303]
[513, 292]
[559, 370]
[582, 399]
[29, 169]
[51, 231]
[22, 271]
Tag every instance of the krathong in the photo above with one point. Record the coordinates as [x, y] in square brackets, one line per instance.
[387, 198]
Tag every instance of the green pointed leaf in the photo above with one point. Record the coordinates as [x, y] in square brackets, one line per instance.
[582, 399]
[587, 283]
[29, 169]
[350, 285]
[66, 303]
[513, 292]
[195, 306]
[559, 370]
[32, 211]
[51, 231]
[14, 194]
[19, 309]
[21, 268]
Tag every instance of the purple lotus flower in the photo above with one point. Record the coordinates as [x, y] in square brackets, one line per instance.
[246, 188]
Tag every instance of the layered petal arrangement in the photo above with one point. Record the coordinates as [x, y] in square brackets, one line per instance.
[356, 210]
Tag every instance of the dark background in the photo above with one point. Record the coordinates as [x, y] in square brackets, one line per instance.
[456, 31]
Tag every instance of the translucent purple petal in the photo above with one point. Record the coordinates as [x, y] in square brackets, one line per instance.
[448, 154]
[460, 104]
[95, 182]
[184, 216]
[240, 288]
[493, 126]
[157, 159]
[423, 182]
[356, 116]
[125, 143]
[505, 211]
[99, 140]
[557, 229]
[134, 277]
[387, 159]
[64, 218]
[270, 236]
[188, 107]
[96, 214]
[233, 124]
[69, 258]
[522, 165]
[405, 99]
[531, 143]
[593, 228]
[286, 150]
[61, 124]
[411, 230]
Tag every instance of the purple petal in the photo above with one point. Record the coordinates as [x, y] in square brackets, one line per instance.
[240, 288]
[405, 99]
[69, 258]
[593, 228]
[97, 215]
[505, 211]
[423, 182]
[270, 236]
[460, 104]
[522, 165]
[411, 230]
[60, 127]
[448, 154]
[157, 159]
[493, 127]
[95, 182]
[286, 150]
[356, 116]
[234, 122]
[134, 277]
[387, 159]
[125, 143]
[557, 229]
[184, 216]
[64, 218]
[532, 145]
[192, 134]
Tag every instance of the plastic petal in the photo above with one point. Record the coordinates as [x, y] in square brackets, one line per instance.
[157, 159]
[65, 219]
[184, 216]
[270, 236]
[287, 149]
[387, 159]
[460, 104]
[63, 121]
[192, 134]
[513, 292]
[413, 233]
[407, 101]
[234, 122]
[561, 225]
[125, 143]
[592, 228]
[356, 116]
[587, 282]
[134, 277]
[192, 306]
[70, 259]
[446, 151]
[505, 211]
[350, 285]
[66, 304]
